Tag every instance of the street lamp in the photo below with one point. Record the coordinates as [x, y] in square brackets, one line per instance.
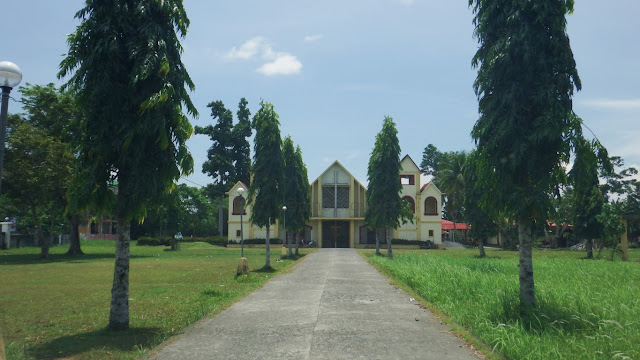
[286, 240]
[240, 192]
[10, 77]
[284, 208]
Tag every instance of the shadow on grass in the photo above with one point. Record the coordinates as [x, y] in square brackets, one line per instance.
[34, 259]
[99, 340]
[264, 269]
[548, 317]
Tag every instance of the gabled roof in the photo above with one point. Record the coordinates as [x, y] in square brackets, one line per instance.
[429, 184]
[343, 168]
[413, 162]
[236, 185]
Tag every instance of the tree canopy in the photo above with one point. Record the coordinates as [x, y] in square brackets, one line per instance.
[124, 65]
[526, 78]
[296, 189]
[265, 191]
[385, 207]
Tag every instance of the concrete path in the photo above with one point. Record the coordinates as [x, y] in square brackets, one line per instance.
[333, 305]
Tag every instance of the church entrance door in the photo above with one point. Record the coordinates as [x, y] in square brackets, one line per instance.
[335, 234]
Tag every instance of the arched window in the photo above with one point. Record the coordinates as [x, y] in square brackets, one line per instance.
[238, 206]
[409, 199]
[431, 206]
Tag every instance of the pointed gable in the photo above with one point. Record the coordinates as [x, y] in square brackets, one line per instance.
[408, 165]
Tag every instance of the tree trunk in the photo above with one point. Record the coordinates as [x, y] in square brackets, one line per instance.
[119, 311]
[42, 240]
[389, 251]
[589, 245]
[527, 292]
[74, 241]
[220, 217]
[267, 263]
[297, 243]
[377, 242]
[481, 247]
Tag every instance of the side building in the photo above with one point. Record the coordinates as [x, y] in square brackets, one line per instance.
[338, 206]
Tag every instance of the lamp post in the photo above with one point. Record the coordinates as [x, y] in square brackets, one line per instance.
[286, 240]
[240, 192]
[10, 77]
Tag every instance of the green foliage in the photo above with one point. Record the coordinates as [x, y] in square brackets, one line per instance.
[257, 241]
[449, 177]
[610, 218]
[167, 241]
[265, 192]
[241, 150]
[219, 163]
[587, 197]
[296, 187]
[591, 315]
[384, 204]
[480, 219]
[431, 159]
[38, 169]
[526, 77]
[124, 67]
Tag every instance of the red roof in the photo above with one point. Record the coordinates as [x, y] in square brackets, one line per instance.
[425, 186]
[448, 225]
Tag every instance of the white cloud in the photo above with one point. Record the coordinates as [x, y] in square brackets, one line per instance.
[407, 2]
[279, 63]
[612, 104]
[310, 38]
[247, 50]
[283, 64]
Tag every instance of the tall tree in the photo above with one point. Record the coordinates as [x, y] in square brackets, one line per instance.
[431, 159]
[385, 207]
[241, 149]
[449, 177]
[39, 168]
[588, 200]
[54, 111]
[125, 68]
[265, 191]
[480, 219]
[526, 78]
[219, 163]
[296, 190]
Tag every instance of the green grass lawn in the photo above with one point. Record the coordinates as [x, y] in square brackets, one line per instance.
[60, 308]
[587, 309]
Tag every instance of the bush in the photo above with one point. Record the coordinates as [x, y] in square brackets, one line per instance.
[257, 241]
[166, 240]
[427, 244]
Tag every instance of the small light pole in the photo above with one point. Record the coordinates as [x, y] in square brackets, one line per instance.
[286, 240]
[240, 193]
[243, 266]
[10, 77]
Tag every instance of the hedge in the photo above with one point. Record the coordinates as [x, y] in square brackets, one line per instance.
[257, 241]
[166, 240]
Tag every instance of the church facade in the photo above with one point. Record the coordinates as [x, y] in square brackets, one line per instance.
[338, 206]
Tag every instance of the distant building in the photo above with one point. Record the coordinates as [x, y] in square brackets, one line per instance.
[338, 206]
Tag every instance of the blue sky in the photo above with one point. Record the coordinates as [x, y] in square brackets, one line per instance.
[334, 69]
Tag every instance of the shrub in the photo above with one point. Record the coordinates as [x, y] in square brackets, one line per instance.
[428, 244]
[257, 241]
[166, 240]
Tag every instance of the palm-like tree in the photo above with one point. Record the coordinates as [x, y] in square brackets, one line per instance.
[450, 179]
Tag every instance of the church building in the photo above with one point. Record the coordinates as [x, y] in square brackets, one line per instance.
[338, 206]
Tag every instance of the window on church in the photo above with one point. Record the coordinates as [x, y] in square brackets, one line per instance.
[329, 197]
[407, 179]
[430, 233]
[238, 206]
[431, 206]
[412, 203]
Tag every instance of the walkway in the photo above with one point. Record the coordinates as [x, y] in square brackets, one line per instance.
[333, 305]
